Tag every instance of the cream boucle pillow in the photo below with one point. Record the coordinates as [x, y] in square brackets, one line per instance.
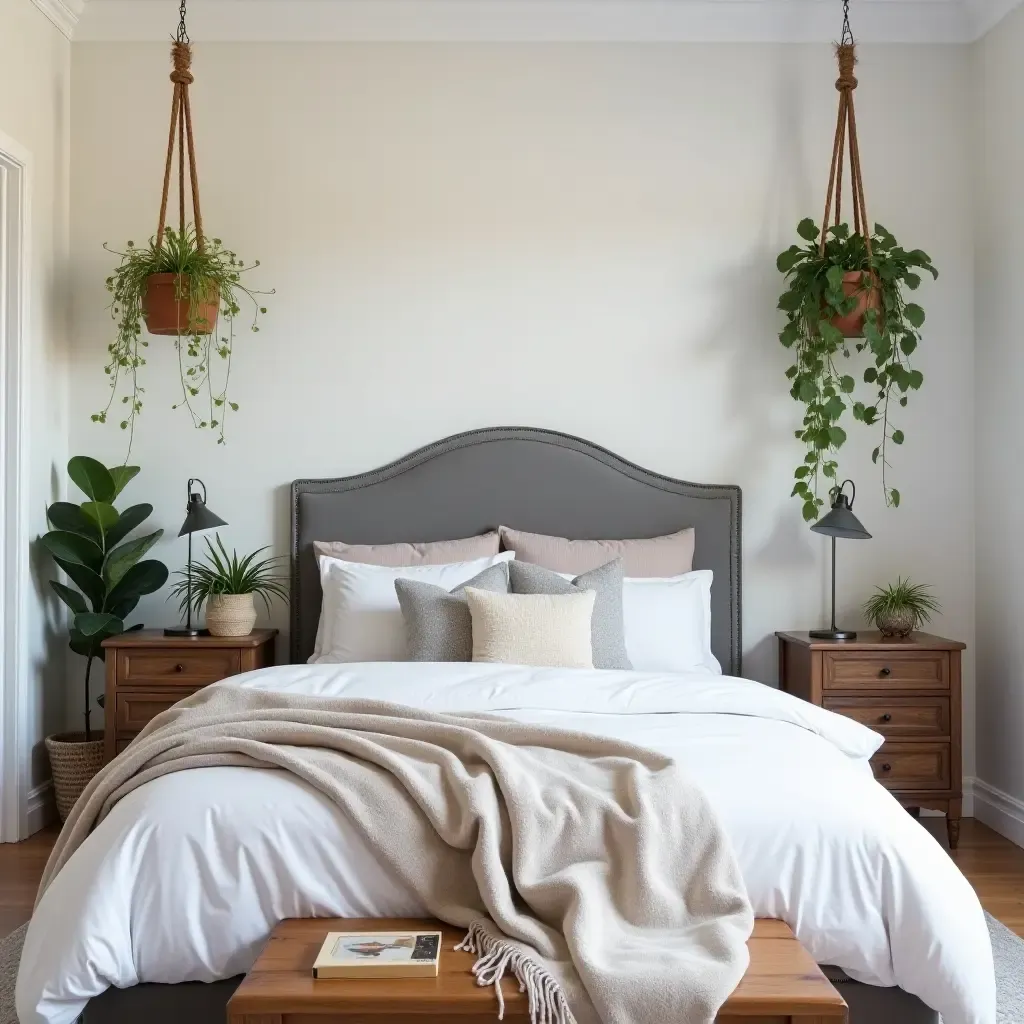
[532, 629]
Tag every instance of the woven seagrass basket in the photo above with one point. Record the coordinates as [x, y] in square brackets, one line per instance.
[73, 762]
[230, 614]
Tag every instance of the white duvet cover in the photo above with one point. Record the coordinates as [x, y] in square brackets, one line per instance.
[187, 875]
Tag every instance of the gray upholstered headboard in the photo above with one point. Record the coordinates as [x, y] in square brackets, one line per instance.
[536, 480]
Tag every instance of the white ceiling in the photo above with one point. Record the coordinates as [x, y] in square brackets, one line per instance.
[902, 21]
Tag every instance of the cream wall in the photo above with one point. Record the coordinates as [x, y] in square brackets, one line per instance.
[35, 68]
[579, 237]
[999, 144]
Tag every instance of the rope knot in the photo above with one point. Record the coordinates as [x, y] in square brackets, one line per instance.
[181, 55]
[846, 54]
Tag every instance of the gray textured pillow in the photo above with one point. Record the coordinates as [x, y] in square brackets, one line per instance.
[607, 633]
[438, 626]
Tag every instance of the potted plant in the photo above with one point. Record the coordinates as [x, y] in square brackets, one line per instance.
[898, 609]
[846, 288]
[88, 542]
[227, 585]
[178, 287]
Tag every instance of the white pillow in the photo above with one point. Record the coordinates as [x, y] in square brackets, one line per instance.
[360, 618]
[532, 629]
[667, 623]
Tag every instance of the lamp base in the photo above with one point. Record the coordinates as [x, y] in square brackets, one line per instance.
[185, 631]
[832, 634]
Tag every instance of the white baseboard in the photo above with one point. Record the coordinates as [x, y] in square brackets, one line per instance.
[998, 810]
[42, 808]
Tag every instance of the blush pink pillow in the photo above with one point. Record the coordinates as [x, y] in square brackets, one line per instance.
[671, 555]
[438, 552]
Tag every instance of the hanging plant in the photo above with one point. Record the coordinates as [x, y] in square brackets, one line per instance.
[845, 284]
[180, 284]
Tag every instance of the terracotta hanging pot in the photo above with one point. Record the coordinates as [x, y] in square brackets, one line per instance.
[864, 287]
[167, 308]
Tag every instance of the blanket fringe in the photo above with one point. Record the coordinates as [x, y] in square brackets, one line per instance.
[497, 956]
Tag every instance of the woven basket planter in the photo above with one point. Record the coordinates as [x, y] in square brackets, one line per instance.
[230, 614]
[166, 313]
[896, 624]
[73, 762]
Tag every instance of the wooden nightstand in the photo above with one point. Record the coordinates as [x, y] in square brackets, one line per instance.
[908, 690]
[147, 672]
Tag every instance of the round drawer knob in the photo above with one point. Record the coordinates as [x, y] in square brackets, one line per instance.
[886, 767]
[886, 717]
[886, 671]
[179, 668]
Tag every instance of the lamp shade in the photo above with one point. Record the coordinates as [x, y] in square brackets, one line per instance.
[840, 521]
[197, 516]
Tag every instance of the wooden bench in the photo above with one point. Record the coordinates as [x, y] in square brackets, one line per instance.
[783, 985]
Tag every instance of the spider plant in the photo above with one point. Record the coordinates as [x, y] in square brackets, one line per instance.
[900, 608]
[204, 274]
[222, 573]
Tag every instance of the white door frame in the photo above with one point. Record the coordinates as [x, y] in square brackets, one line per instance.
[15, 581]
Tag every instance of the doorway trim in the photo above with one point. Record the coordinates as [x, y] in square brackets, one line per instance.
[15, 581]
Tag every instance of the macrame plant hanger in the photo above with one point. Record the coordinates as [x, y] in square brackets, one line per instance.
[181, 135]
[846, 142]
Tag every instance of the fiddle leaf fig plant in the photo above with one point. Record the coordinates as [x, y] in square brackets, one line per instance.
[817, 301]
[203, 277]
[88, 542]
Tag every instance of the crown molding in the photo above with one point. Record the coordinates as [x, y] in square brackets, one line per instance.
[984, 15]
[799, 21]
[63, 13]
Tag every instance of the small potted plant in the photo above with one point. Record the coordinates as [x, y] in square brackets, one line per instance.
[840, 290]
[180, 288]
[88, 542]
[227, 585]
[898, 609]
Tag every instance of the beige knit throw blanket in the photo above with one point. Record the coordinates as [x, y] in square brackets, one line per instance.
[592, 870]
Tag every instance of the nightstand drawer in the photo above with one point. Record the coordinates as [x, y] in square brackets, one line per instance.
[176, 666]
[912, 766]
[912, 717]
[137, 707]
[903, 670]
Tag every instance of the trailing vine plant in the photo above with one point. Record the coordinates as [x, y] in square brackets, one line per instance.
[203, 274]
[847, 283]
[814, 297]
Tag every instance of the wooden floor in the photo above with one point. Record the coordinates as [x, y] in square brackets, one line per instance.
[994, 866]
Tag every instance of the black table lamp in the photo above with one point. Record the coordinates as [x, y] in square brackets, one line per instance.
[197, 518]
[839, 522]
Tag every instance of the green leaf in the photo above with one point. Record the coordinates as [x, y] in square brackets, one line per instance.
[912, 281]
[802, 472]
[914, 313]
[807, 229]
[790, 334]
[875, 454]
[834, 408]
[894, 497]
[130, 518]
[847, 384]
[92, 624]
[907, 344]
[916, 379]
[897, 437]
[799, 488]
[122, 476]
[807, 392]
[90, 583]
[124, 608]
[87, 646]
[788, 259]
[92, 478]
[72, 598]
[810, 511]
[63, 515]
[836, 436]
[834, 276]
[858, 410]
[142, 578]
[790, 301]
[870, 375]
[73, 547]
[101, 513]
[121, 559]
[831, 335]
[903, 401]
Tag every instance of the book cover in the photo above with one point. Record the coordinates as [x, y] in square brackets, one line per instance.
[378, 955]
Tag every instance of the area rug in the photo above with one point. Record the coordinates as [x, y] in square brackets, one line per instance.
[1007, 949]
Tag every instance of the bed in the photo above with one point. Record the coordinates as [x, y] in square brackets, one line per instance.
[182, 881]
